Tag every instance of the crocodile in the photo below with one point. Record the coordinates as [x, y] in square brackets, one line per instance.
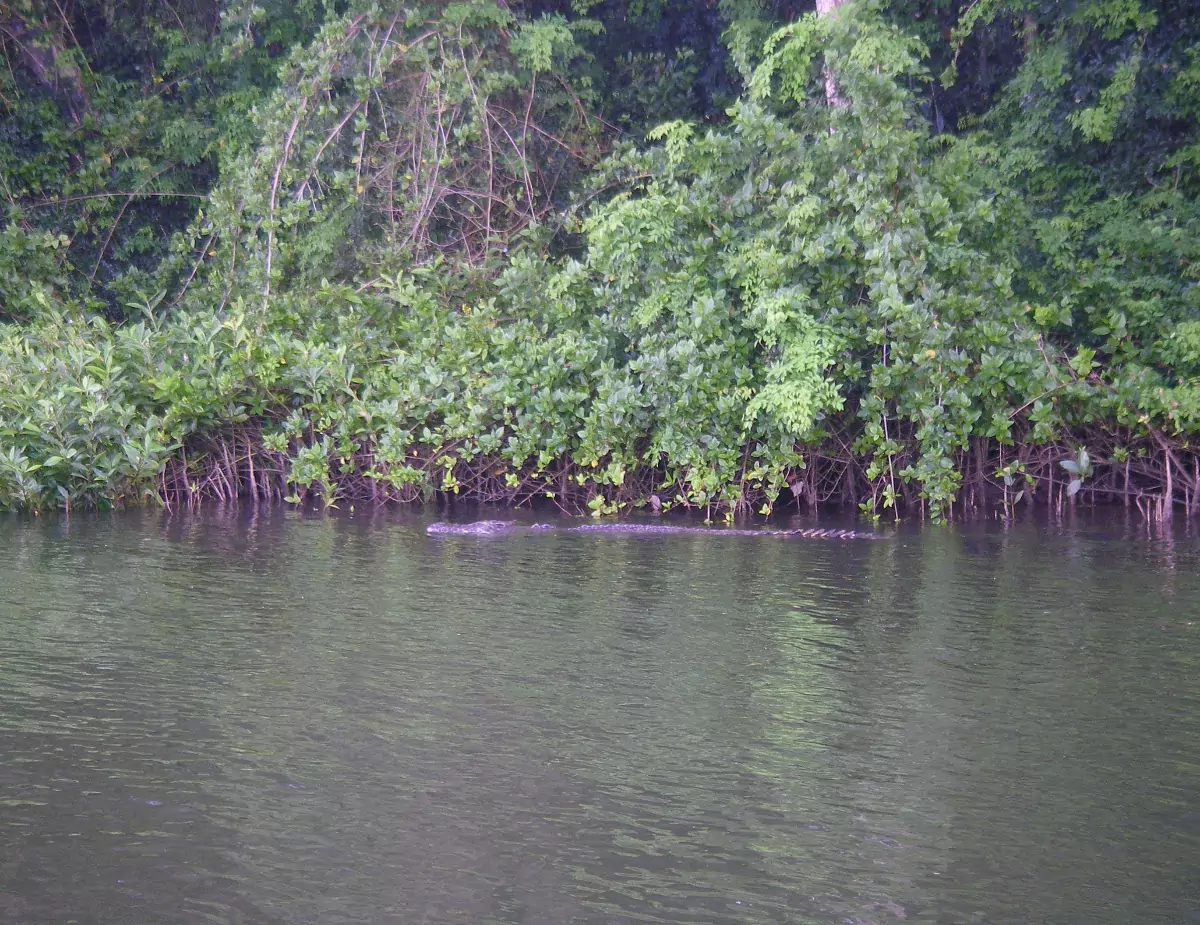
[509, 527]
[485, 528]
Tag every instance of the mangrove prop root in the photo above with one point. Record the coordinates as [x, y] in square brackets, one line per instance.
[1155, 473]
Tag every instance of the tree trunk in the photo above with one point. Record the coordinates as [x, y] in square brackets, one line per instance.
[832, 95]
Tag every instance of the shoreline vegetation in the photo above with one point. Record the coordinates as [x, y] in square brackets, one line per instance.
[917, 258]
[238, 467]
[233, 470]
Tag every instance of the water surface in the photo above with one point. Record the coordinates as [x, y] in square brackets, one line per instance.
[274, 718]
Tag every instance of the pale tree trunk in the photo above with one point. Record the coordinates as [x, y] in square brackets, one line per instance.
[1029, 30]
[832, 95]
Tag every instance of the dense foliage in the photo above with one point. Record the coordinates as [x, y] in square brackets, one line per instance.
[907, 254]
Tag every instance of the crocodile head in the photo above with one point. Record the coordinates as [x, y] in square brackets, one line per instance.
[477, 528]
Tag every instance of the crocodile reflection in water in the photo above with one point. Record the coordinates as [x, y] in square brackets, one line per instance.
[509, 527]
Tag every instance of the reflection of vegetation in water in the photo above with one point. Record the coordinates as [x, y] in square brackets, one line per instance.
[908, 711]
[812, 697]
[823, 730]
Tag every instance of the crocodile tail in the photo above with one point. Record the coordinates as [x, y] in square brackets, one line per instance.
[819, 533]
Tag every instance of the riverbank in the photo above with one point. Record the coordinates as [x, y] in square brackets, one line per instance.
[996, 481]
[823, 298]
[371, 405]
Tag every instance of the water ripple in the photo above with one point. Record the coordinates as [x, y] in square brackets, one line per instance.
[270, 718]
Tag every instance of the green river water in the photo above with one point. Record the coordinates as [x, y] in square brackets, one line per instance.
[267, 717]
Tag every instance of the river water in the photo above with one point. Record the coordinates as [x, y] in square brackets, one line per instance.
[275, 718]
